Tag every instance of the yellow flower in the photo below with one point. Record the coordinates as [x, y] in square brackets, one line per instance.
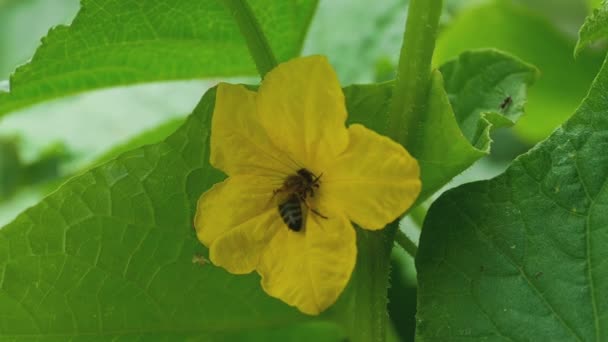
[294, 127]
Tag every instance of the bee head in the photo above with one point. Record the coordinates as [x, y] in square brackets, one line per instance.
[307, 175]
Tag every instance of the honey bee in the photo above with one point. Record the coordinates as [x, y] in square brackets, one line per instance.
[297, 187]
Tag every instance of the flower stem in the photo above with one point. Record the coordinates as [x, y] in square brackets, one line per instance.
[404, 242]
[369, 318]
[252, 32]
[411, 89]
[414, 71]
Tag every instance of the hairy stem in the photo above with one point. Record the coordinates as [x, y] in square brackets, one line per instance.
[411, 88]
[414, 71]
[367, 311]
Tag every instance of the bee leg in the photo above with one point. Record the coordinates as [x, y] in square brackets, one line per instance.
[318, 213]
[276, 191]
[312, 209]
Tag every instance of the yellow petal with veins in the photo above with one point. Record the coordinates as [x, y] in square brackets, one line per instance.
[239, 145]
[301, 106]
[234, 218]
[309, 269]
[375, 180]
[239, 250]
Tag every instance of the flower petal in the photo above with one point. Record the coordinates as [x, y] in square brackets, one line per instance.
[309, 269]
[301, 106]
[234, 219]
[374, 181]
[239, 250]
[239, 145]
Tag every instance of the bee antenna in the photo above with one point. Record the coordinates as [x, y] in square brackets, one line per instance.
[318, 177]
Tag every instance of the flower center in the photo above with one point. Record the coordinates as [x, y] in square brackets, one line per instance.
[297, 188]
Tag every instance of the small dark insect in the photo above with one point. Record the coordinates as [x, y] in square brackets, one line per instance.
[298, 188]
[538, 275]
[506, 103]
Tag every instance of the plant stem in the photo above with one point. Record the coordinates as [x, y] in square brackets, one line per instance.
[369, 318]
[404, 242]
[414, 71]
[411, 88]
[254, 36]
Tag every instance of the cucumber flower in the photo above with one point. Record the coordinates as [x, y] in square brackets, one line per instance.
[297, 178]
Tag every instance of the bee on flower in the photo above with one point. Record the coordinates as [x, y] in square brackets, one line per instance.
[297, 178]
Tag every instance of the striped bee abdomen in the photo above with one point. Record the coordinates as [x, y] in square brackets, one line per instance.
[291, 213]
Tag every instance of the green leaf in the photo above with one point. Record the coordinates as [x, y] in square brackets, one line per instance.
[147, 137]
[523, 256]
[518, 31]
[113, 43]
[594, 28]
[440, 146]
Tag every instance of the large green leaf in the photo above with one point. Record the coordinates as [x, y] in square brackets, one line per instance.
[112, 43]
[515, 29]
[595, 27]
[523, 257]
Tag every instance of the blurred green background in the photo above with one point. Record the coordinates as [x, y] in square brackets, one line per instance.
[43, 145]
